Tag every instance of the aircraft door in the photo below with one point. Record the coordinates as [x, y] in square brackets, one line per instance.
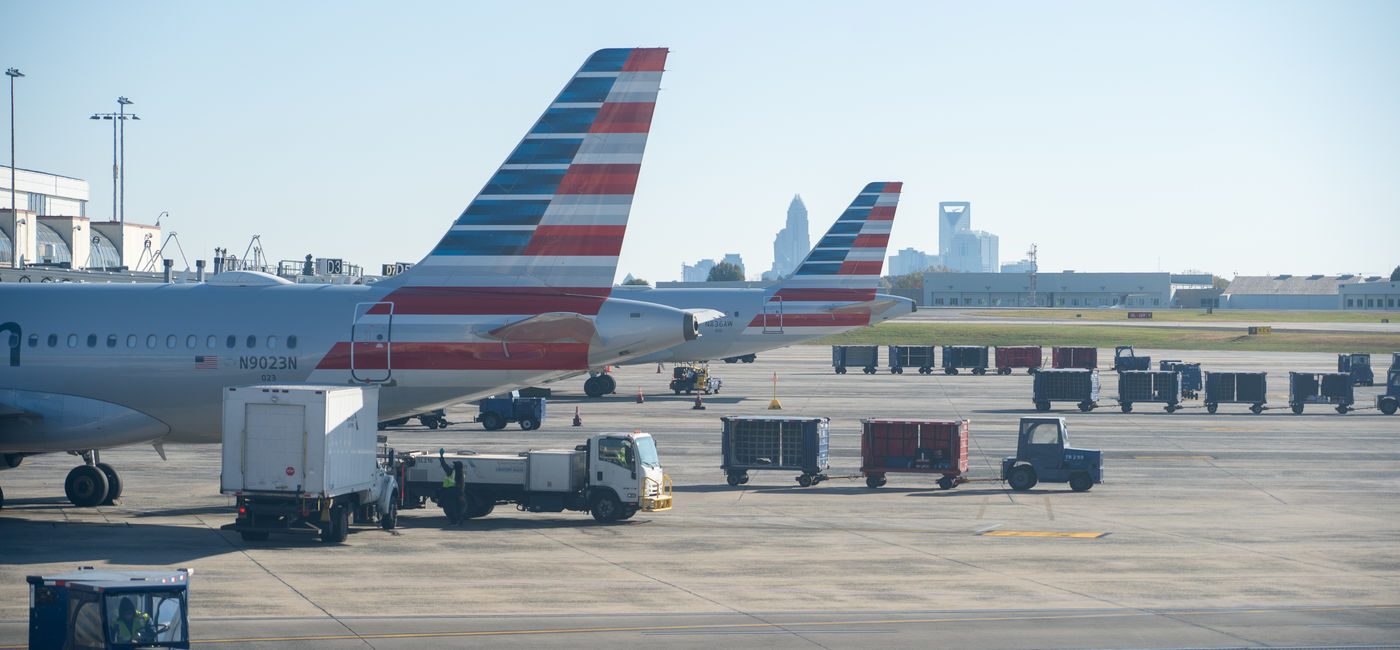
[371, 358]
[773, 316]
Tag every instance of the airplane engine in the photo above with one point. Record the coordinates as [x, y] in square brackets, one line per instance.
[51, 422]
[634, 328]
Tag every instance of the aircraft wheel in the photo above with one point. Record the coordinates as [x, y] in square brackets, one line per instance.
[750, 358]
[114, 484]
[609, 384]
[86, 486]
[592, 387]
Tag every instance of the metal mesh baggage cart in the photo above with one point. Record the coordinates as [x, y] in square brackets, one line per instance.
[1161, 386]
[1320, 388]
[964, 356]
[1236, 388]
[911, 356]
[865, 357]
[1066, 385]
[775, 443]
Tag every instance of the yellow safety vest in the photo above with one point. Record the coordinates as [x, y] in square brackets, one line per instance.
[123, 633]
[447, 481]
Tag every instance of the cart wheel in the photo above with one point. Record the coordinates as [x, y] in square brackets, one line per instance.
[874, 480]
[950, 371]
[1297, 408]
[1042, 406]
[1211, 407]
[1021, 478]
[1342, 409]
[1080, 482]
[979, 371]
[1127, 407]
[1032, 371]
[946, 483]
[743, 478]
[840, 370]
[1257, 408]
[804, 480]
[1171, 408]
[733, 479]
[1388, 406]
[529, 424]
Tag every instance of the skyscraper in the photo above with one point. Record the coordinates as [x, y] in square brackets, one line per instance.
[791, 245]
[953, 217]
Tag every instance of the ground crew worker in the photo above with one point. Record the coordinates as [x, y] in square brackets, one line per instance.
[130, 623]
[453, 495]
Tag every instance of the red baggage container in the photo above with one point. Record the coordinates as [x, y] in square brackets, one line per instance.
[1018, 356]
[915, 447]
[1065, 356]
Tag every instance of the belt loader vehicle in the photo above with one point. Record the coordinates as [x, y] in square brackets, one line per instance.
[303, 459]
[1043, 455]
[613, 476]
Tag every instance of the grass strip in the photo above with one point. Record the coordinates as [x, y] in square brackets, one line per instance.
[1221, 316]
[1107, 336]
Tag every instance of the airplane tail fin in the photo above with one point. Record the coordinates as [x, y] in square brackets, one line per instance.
[553, 216]
[847, 261]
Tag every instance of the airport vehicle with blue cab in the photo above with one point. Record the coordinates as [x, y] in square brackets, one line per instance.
[496, 412]
[1044, 455]
[91, 608]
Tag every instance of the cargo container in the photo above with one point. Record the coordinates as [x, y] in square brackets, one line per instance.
[965, 356]
[1191, 381]
[1066, 385]
[776, 442]
[1064, 356]
[865, 357]
[914, 447]
[1320, 388]
[911, 356]
[1160, 386]
[1236, 388]
[1018, 356]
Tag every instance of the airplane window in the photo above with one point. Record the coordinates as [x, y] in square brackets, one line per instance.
[111, 340]
[33, 340]
[191, 341]
[131, 340]
[53, 340]
[231, 341]
[92, 340]
[211, 342]
[292, 342]
[72, 340]
[151, 341]
[252, 341]
[171, 340]
[272, 342]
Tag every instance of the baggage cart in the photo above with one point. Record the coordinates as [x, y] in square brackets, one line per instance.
[1018, 356]
[1066, 385]
[965, 356]
[1160, 386]
[1067, 356]
[1190, 376]
[775, 443]
[865, 357]
[911, 356]
[913, 447]
[1236, 388]
[1320, 388]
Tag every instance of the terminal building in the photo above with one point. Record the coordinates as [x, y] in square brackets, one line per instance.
[1065, 289]
[51, 228]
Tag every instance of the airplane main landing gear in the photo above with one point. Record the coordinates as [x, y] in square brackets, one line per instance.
[600, 385]
[92, 483]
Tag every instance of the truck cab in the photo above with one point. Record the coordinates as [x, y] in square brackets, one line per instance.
[1358, 366]
[91, 608]
[1125, 359]
[1044, 454]
[625, 476]
[1388, 401]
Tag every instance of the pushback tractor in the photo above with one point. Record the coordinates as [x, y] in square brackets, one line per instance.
[1043, 455]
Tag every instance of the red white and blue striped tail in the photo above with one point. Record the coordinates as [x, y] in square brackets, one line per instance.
[553, 216]
[851, 255]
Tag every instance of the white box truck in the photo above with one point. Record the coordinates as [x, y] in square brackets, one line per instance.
[612, 476]
[302, 459]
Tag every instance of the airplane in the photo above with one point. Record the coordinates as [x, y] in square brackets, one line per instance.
[833, 290]
[517, 291]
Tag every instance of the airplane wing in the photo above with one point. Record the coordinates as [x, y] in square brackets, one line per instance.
[548, 328]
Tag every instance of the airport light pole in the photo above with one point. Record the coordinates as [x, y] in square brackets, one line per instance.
[118, 163]
[13, 73]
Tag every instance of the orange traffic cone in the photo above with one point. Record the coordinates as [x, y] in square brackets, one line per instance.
[639, 395]
[699, 405]
[578, 421]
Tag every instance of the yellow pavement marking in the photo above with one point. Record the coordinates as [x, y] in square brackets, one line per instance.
[1174, 457]
[1041, 533]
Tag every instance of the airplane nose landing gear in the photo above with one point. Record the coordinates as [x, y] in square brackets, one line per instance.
[92, 483]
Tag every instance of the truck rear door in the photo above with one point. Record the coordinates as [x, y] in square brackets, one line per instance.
[274, 446]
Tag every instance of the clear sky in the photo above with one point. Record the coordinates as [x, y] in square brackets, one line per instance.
[1227, 136]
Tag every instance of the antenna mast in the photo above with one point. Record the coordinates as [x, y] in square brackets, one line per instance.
[1030, 255]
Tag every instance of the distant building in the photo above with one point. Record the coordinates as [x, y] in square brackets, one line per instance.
[973, 251]
[1023, 266]
[1375, 292]
[909, 260]
[698, 272]
[791, 245]
[953, 217]
[51, 228]
[1066, 289]
[1286, 292]
[733, 258]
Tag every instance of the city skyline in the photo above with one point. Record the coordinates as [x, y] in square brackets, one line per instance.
[1088, 128]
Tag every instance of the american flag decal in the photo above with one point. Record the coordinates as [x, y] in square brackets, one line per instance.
[206, 363]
